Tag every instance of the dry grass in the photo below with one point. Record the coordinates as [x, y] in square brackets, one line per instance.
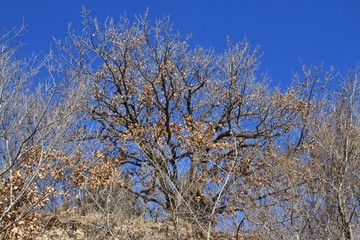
[95, 226]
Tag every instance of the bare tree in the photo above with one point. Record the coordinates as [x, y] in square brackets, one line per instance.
[324, 201]
[36, 157]
[337, 149]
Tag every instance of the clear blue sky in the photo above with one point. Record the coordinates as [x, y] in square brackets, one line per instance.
[315, 31]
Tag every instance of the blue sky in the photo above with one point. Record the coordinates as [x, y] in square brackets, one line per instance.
[326, 31]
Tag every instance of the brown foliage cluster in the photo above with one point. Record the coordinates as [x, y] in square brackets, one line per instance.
[28, 187]
[32, 187]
